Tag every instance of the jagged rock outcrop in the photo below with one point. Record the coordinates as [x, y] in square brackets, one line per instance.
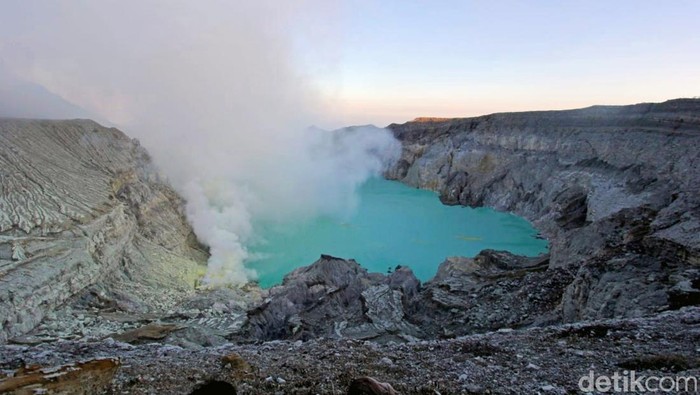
[615, 189]
[493, 290]
[83, 213]
[335, 298]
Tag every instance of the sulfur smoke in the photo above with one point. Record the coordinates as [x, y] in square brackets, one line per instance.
[215, 92]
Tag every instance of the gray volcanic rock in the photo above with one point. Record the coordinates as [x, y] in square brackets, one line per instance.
[547, 360]
[83, 213]
[493, 290]
[335, 298]
[614, 189]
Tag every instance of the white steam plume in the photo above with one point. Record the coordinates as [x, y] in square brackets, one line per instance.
[212, 90]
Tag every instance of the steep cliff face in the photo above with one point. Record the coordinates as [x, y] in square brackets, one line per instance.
[616, 190]
[82, 212]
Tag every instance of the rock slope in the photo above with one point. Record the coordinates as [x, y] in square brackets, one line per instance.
[615, 189]
[83, 213]
[336, 298]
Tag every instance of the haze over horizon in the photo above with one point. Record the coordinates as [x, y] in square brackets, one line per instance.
[384, 62]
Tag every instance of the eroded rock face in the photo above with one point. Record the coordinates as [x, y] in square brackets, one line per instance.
[615, 190]
[335, 298]
[491, 291]
[83, 213]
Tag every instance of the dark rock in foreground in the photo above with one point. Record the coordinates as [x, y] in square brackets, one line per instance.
[335, 298]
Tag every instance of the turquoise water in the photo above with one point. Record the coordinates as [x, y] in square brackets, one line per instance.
[393, 225]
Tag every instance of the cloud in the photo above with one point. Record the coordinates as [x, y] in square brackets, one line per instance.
[214, 91]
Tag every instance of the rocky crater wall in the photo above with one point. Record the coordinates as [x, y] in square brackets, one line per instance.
[614, 188]
[94, 244]
[82, 211]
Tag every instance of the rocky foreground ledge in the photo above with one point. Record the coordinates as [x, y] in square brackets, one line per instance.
[98, 268]
[548, 360]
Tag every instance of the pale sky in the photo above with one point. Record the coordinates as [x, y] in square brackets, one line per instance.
[402, 59]
[377, 61]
